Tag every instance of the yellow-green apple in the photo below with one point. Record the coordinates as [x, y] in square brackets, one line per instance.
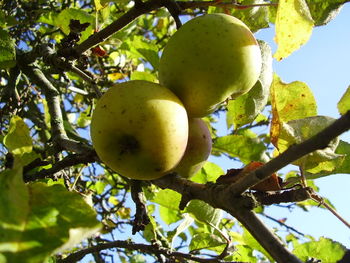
[139, 129]
[198, 148]
[209, 59]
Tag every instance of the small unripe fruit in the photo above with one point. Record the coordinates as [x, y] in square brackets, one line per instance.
[139, 129]
[209, 59]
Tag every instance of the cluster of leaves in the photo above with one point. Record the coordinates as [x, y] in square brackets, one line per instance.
[49, 176]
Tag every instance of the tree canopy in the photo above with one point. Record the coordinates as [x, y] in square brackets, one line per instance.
[59, 202]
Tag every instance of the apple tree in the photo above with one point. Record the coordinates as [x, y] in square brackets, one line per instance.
[61, 202]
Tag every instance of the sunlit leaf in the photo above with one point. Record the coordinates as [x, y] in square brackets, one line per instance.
[209, 173]
[242, 253]
[290, 101]
[203, 212]
[7, 50]
[205, 241]
[63, 21]
[35, 223]
[294, 26]
[167, 198]
[323, 11]
[249, 240]
[324, 249]
[182, 227]
[143, 75]
[169, 216]
[254, 17]
[297, 131]
[344, 103]
[343, 149]
[245, 148]
[245, 108]
[140, 48]
[18, 139]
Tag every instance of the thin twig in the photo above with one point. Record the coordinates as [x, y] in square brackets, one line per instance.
[320, 200]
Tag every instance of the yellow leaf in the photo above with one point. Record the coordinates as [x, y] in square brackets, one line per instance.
[294, 26]
[116, 76]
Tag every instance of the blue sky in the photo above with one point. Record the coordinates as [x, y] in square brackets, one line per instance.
[323, 63]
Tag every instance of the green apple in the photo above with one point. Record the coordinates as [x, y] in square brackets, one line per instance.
[139, 129]
[198, 148]
[209, 59]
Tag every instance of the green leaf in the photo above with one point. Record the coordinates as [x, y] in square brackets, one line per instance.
[7, 50]
[35, 223]
[204, 213]
[344, 102]
[139, 47]
[245, 148]
[169, 216]
[254, 17]
[245, 108]
[209, 173]
[18, 139]
[205, 241]
[143, 75]
[324, 249]
[63, 21]
[343, 149]
[323, 11]
[294, 26]
[250, 241]
[297, 131]
[167, 198]
[242, 253]
[182, 227]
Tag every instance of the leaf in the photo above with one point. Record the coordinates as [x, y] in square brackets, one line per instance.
[139, 47]
[242, 253]
[290, 101]
[18, 139]
[297, 131]
[167, 198]
[169, 216]
[243, 147]
[343, 149]
[35, 223]
[344, 102]
[294, 26]
[204, 213]
[182, 227]
[245, 108]
[250, 241]
[209, 173]
[142, 75]
[7, 50]
[205, 241]
[63, 21]
[324, 249]
[254, 17]
[323, 11]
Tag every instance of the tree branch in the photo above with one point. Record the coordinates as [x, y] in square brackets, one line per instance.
[293, 153]
[68, 161]
[141, 8]
[58, 133]
[150, 249]
[239, 207]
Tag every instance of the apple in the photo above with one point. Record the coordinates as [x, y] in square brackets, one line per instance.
[139, 129]
[198, 148]
[209, 59]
